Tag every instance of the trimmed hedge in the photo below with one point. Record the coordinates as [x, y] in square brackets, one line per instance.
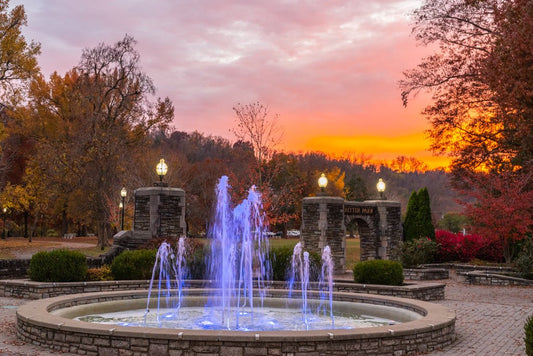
[133, 264]
[58, 266]
[384, 272]
[280, 262]
[528, 327]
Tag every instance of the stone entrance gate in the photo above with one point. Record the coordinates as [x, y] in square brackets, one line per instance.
[324, 221]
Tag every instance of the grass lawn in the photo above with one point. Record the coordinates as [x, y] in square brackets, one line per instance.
[353, 249]
[20, 247]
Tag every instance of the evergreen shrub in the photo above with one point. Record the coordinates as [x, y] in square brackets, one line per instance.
[528, 328]
[418, 252]
[384, 272]
[280, 259]
[58, 266]
[133, 265]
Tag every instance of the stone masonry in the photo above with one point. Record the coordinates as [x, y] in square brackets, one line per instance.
[324, 221]
[159, 212]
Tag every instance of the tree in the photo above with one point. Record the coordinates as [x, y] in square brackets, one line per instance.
[256, 125]
[502, 207]
[425, 225]
[453, 222]
[480, 80]
[92, 123]
[355, 189]
[18, 58]
[408, 164]
[410, 230]
[417, 222]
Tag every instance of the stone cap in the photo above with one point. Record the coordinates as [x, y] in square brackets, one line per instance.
[158, 191]
[324, 199]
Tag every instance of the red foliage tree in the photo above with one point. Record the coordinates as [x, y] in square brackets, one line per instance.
[503, 206]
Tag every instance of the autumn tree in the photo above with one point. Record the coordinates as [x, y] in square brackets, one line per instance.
[93, 120]
[255, 124]
[18, 65]
[18, 58]
[408, 164]
[355, 189]
[480, 81]
[502, 207]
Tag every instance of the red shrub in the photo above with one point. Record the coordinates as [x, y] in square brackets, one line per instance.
[464, 248]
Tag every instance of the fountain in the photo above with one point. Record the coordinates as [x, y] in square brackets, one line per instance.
[237, 313]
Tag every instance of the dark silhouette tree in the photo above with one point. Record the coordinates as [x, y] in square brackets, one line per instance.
[425, 224]
[410, 223]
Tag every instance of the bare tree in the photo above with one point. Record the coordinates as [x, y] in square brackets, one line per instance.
[256, 125]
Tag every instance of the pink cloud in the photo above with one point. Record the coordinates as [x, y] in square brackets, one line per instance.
[310, 61]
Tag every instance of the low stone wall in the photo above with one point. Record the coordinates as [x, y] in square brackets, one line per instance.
[36, 325]
[492, 279]
[38, 290]
[424, 274]
[15, 268]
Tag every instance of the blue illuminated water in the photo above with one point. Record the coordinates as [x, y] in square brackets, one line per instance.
[238, 271]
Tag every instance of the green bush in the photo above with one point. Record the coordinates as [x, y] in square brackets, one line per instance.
[196, 266]
[378, 272]
[419, 251]
[135, 264]
[280, 261]
[58, 266]
[529, 336]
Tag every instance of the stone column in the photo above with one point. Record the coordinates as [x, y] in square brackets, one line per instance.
[323, 225]
[390, 229]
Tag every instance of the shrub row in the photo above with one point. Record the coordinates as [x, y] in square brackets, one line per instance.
[58, 266]
[71, 266]
[384, 272]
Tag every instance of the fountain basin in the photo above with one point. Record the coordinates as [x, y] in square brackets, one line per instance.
[40, 322]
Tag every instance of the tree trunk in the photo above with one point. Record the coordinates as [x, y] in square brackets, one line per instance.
[64, 222]
[26, 225]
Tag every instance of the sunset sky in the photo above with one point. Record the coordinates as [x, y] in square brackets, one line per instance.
[329, 69]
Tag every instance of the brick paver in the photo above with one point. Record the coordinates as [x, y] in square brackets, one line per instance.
[490, 321]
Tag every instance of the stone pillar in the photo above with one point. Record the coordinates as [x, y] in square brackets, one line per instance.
[390, 228]
[160, 211]
[323, 225]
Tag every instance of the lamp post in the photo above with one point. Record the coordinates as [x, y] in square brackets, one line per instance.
[161, 169]
[322, 183]
[381, 188]
[123, 193]
[4, 228]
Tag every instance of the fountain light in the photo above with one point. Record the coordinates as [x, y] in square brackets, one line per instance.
[161, 169]
[323, 182]
[381, 187]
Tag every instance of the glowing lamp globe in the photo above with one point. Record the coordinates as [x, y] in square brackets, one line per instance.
[322, 182]
[161, 169]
